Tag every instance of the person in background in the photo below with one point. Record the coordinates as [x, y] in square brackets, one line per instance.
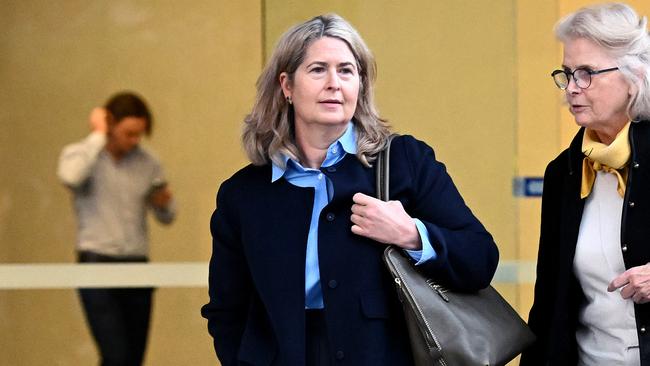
[114, 181]
[296, 274]
[593, 276]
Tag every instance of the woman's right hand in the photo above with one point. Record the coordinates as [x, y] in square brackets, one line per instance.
[385, 222]
[634, 284]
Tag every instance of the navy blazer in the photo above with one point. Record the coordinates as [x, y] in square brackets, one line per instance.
[558, 294]
[256, 312]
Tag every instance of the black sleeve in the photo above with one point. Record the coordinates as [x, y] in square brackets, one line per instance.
[541, 312]
[229, 279]
[466, 255]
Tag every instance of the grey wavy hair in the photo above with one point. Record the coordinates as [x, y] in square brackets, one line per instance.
[269, 129]
[623, 35]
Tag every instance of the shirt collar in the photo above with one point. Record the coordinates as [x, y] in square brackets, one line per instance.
[346, 143]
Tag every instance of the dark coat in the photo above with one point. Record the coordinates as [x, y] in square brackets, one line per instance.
[558, 295]
[256, 312]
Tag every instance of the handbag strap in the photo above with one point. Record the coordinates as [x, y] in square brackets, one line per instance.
[382, 173]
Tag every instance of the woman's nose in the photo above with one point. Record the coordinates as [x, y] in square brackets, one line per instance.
[333, 81]
[572, 87]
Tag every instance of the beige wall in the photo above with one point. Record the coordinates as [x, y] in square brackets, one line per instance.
[196, 65]
[471, 78]
[538, 128]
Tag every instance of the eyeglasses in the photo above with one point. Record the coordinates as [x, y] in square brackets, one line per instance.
[581, 76]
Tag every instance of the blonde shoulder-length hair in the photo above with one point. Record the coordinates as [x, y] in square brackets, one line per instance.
[269, 130]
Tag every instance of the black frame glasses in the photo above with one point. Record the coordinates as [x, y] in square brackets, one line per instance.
[581, 76]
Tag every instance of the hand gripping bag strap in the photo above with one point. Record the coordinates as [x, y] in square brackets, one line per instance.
[446, 327]
[425, 350]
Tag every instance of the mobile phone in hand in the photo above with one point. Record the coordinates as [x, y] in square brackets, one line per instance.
[156, 185]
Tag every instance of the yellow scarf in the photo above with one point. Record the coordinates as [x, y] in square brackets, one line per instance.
[612, 158]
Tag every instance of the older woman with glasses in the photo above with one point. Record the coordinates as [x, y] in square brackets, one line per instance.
[593, 276]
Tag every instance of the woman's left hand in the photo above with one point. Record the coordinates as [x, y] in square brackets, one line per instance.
[385, 222]
[634, 283]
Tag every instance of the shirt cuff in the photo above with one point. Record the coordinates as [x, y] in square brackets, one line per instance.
[427, 252]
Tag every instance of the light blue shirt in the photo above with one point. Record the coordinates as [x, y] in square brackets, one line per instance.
[300, 176]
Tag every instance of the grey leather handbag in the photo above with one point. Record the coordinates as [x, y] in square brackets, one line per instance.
[447, 327]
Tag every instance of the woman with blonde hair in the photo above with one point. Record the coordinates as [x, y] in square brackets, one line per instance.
[296, 275]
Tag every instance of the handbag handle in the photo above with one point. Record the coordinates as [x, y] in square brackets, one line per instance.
[382, 173]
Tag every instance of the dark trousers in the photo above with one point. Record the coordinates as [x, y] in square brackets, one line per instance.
[118, 319]
[318, 349]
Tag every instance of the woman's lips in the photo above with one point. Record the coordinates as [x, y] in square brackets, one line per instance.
[331, 104]
[331, 101]
[577, 108]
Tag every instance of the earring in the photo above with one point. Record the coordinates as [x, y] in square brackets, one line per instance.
[289, 99]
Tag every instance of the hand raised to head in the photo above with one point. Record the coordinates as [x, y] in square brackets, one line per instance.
[98, 120]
